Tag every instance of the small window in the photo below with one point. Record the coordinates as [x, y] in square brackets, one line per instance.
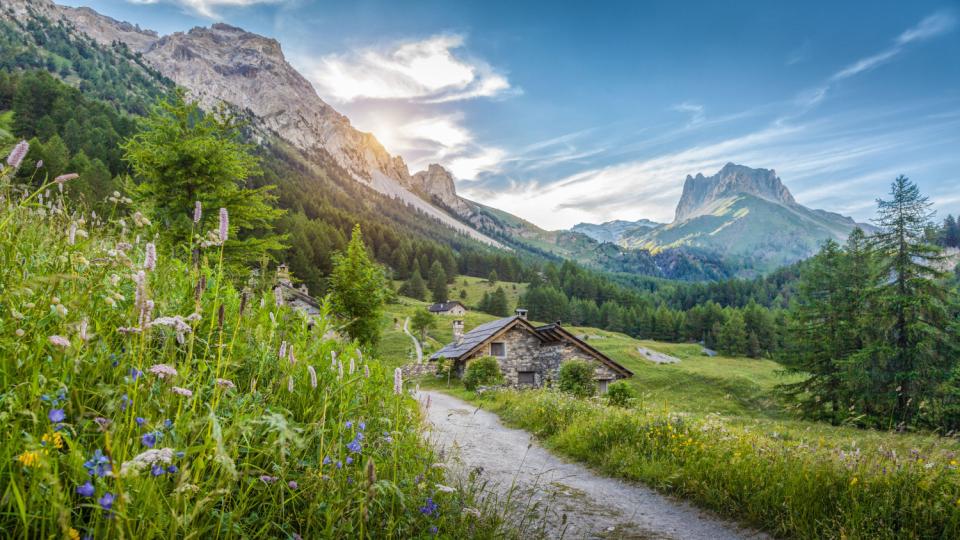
[602, 386]
[498, 349]
[526, 377]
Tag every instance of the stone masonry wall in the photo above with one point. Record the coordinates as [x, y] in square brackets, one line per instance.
[524, 352]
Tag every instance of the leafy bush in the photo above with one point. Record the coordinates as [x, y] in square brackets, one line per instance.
[621, 394]
[576, 377]
[484, 371]
[151, 398]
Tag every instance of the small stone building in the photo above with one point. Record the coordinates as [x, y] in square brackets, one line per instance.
[450, 307]
[528, 355]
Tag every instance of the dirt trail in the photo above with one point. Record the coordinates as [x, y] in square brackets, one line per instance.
[416, 342]
[595, 506]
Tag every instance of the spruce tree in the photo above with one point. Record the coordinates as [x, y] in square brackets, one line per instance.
[358, 290]
[182, 155]
[415, 287]
[917, 349]
[438, 282]
[498, 303]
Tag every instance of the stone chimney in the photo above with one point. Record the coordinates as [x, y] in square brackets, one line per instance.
[522, 313]
[458, 331]
[283, 275]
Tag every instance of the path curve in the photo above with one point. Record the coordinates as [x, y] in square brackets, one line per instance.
[595, 506]
[416, 342]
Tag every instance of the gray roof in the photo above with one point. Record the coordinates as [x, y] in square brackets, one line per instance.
[440, 307]
[472, 338]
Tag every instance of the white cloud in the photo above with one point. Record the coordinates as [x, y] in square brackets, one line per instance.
[428, 70]
[207, 8]
[695, 110]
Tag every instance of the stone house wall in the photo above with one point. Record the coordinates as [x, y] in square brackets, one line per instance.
[525, 352]
[455, 310]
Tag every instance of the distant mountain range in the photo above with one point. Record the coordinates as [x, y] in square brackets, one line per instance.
[740, 219]
[740, 214]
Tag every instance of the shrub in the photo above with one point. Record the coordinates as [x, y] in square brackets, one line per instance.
[576, 377]
[620, 394]
[484, 371]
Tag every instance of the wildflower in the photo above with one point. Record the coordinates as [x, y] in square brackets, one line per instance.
[106, 502]
[313, 376]
[163, 371]
[278, 296]
[128, 329]
[340, 464]
[266, 479]
[55, 438]
[135, 373]
[283, 349]
[339, 370]
[140, 420]
[146, 314]
[444, 489]
[73, 534]
[156, 470]
[140, 220]
[354, 446]
[63, 178]
[72, 233]
[349, 460]
[103, 423]
[148, 458]
[433, 529]
[397, 381]
[173, 469]
[150, 257]
[348, 424]
[292, 358]
[429, 507]
[86, 490]
[224, 224]
[17, 154]
[471, 511]
[366, 371]
[326, 460]
[149, 439]
[854, 481]
[39, 164]
[125, 402]
[82, 330]
[56, 416]
[59, 341]
[181, 391]
[29, 459]
[290, 383]
[197, 212]
[177, 323]
[352, 367]
[225, 383]
[292, 485]
[98, 464]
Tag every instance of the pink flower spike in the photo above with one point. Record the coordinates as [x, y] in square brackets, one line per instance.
[224, 224]
[197, 212]
[59, 341]
[66, 178]
[17, 154]
[181, 391]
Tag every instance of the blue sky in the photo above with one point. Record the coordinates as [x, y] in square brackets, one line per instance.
[562, 112]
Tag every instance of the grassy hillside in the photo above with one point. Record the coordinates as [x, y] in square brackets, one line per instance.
[147, 397]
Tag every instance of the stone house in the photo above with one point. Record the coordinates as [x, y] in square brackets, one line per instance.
[529, 355]
[450, 307]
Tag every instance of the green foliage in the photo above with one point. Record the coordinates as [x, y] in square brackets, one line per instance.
[874, 325]
[415, 287]
[438, 282]
[576, 378]
[621, 394]
[182, 156]
[422, 322]
[91, 379]
[483, 371]
[358, 289]
[495, 303]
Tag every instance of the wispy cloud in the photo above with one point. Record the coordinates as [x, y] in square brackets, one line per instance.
[695, 110]
[207, 8]
[431, 70]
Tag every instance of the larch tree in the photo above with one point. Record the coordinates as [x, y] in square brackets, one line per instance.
[358, 290]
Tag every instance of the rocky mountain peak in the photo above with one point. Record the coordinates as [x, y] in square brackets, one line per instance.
[437, 183]
[700, 191]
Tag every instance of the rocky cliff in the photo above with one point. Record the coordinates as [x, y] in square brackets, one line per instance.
[437, 183]
[223, 63]
[700, 191]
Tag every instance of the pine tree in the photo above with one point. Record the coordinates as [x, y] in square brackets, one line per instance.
[911, 311]
[181, 156]
[732, 339]
[415, 287]
[498, 303]
[438, 282]
[492, 278]
[358, 290]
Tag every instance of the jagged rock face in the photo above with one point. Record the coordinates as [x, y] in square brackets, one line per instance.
[437, 183]
[699, 191]
[249, 71]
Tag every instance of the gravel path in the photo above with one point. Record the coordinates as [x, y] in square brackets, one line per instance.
[416, 342]
[595, 506]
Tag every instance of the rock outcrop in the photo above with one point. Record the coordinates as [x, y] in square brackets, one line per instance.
[700, 191]
[437, 184]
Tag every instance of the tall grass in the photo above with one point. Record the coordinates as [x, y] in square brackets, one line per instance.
[790, 487]
[174, 404]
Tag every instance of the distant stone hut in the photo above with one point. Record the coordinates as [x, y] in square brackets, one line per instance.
[528, 355]
[450, 307]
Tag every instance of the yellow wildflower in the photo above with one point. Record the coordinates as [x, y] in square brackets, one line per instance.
[54, 438]
[73, 534]
[29, 459]
[854, 481]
